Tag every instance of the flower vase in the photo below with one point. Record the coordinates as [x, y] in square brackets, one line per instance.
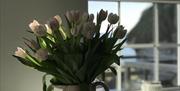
[81, 87]
[67, 88]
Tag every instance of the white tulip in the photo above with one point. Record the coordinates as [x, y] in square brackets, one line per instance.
[49, 30]
[38, 29]
[20, 53]
[69, 16]
[58, 18]
[73, 16]
[76, 15]
[88, 30]
[33, 25]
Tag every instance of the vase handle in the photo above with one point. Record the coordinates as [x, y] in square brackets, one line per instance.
[102, 84]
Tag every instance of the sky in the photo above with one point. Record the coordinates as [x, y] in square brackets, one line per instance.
[130, 12]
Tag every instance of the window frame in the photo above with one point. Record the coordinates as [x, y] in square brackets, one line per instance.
[153, 1]
[155, 45]
[178, 42]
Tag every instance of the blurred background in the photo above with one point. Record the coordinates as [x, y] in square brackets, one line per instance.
[149, 40]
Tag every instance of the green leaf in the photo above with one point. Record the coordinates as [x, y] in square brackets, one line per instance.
[105, 63]
[113, 70]
[41, 42]
[87, 61]
[48, 41]
[109, 44]
[33, 59]
[117, 59]
[93, 66]
[49, 44]
[53, 73]
[58, 37]
[68, 22]
[66, 31]
[118, 46]
[44, 82]
[66, 77]
[63, 34]
[29, 31]
[25, 61]
[73, 61]
[64, 67]
[29, 47]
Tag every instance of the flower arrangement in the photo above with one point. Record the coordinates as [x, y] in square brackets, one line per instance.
[75, 52]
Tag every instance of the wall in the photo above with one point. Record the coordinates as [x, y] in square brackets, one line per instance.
[15, 17]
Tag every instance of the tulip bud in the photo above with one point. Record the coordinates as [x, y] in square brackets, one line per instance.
[76, 30]
[48, 29]
[120, 32]
[41, 54]
[69, 16]
[41, 31]
[102, 15]
[58, 18]
[73, 16]
[91, 18]
[88, 30]
[34, 24]
[20, 53]
[54, 24]
[76, 16]
[32, 43]
[113, 18]
[38, 29]
[84, 17]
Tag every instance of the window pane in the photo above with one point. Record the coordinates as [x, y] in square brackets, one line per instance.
[167, 23]
[138, 20]
[137, 55]
[95, 6]
[140, 65]
[168, 70]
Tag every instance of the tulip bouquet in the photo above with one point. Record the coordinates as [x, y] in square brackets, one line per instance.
[74, 52]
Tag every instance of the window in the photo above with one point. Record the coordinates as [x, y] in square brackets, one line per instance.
[154, 38]
[95, 7]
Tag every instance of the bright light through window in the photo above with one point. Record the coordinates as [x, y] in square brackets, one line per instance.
[96, 6]
[140, 18]
[131, 13]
